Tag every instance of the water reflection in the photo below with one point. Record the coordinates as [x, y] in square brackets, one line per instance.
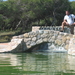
[37, 64]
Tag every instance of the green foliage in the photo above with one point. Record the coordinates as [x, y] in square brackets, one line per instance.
[73, 6]
[7, 38]
[23, 14]
[1, 0]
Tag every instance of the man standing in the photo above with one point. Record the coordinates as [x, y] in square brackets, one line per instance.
[68, 21]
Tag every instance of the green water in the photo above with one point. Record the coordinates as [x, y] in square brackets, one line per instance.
[37, 64]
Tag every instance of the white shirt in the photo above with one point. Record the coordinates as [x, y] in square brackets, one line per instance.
[70, 19]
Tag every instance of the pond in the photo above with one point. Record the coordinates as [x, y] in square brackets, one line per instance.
[37, 63]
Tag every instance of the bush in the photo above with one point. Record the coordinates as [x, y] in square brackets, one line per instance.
[7, 38]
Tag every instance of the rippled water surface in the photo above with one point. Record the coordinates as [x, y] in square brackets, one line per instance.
[37, 64]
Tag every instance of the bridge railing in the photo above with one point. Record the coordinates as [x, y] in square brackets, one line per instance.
[56, 28]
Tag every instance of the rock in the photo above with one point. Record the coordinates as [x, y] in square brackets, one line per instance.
[21, 36]
[27, 39]
[73, 52]
[28, 47]
[52, 47]
[38, 37]
[16, 46]
[35, 28]
[33, 44]
[26, 35]
[71, 49]
[39, 41]
[49, 44]
[73, 36]
[59, 37]
[53, 37]
[61, 33]
[51, 40]
[58, 42]
[66, 34]
[15, 40]
[31, 36]
[56, 33]
[64, 39]
[68, 37]
[46, 31]
[28, 43]
[41, 31]
[34, 39]
[37, 32]
[67, 41]
[51, 33]
[15, 37]
[66, 47]
[31, 33]
[44, 36]
[45, 40]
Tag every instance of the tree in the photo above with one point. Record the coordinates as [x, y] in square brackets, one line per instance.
[24, 13]
[1, 0]
[73, 6]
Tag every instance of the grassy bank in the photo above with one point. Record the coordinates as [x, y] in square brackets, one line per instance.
[5, 36]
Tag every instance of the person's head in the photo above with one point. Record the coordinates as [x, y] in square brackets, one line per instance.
[67, 12]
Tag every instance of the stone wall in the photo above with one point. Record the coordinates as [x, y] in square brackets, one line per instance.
[55, 28]
[71, 48]
[15, 45]
[50, 36]
[65, 40]
[35, 28]
[29, 40]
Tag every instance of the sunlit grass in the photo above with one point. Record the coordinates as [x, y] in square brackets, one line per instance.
[6, 35]
[10, 34]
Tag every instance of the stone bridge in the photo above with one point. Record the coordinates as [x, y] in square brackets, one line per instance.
[41, 39]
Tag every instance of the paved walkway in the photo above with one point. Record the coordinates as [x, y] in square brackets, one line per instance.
[3, 45]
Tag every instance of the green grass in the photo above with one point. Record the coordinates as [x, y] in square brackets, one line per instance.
[3, 33]
[6, 33]
[5, 36]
